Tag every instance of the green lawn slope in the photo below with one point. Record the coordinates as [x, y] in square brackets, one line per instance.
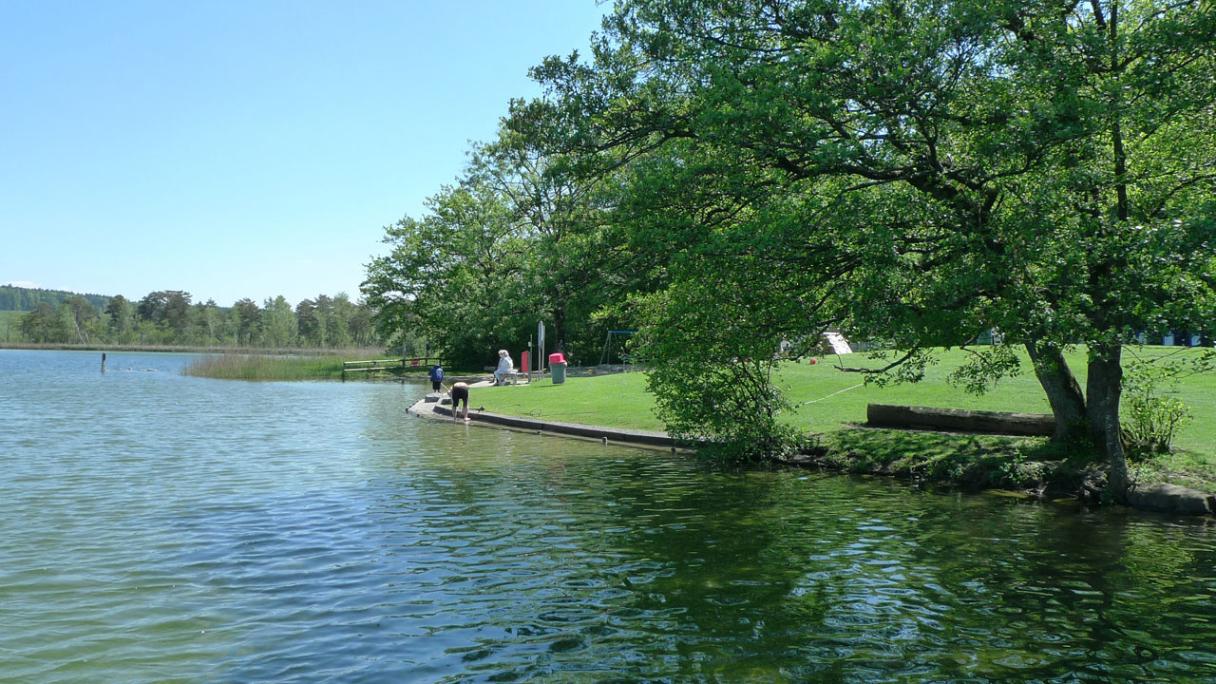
[826, 399]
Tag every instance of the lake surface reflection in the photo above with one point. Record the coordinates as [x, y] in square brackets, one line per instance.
[157, 527]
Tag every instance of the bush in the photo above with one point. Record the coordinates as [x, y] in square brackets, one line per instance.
[1151, 419]
[733, 405]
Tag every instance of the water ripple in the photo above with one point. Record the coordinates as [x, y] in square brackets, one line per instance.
[155, 527]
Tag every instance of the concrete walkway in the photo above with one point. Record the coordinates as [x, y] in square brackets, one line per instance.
[645, 438]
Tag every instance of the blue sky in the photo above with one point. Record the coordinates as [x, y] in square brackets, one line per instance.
[245, 149]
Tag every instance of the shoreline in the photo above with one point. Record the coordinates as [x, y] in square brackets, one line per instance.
[649, 439]
[186, 349]
[1036, 482]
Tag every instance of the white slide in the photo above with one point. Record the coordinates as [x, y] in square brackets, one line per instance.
[839, 344]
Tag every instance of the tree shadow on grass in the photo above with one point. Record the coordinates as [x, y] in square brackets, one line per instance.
[969, 460]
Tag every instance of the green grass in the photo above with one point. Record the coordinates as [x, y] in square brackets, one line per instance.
[618, 400]
[826, 400]
[253, 367]
[979, 461]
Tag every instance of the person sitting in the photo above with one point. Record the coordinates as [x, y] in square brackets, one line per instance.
[505, 366]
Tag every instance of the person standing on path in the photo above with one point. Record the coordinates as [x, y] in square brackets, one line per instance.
[436, 376]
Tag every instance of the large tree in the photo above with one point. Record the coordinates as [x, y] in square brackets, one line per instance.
[521, 238]
[45, 324]
[454, 274]
[247, 318]
[120, 319]
[168, 311]
[570, 271]
[1043, 168]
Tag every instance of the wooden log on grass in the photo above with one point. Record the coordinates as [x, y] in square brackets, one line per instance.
[959, 420]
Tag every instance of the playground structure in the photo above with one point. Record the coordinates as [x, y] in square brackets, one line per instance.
[611, 345]
[838, 343]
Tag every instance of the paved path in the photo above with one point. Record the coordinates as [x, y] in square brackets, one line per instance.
[648, 438]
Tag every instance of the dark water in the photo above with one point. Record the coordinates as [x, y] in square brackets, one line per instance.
[155, 527]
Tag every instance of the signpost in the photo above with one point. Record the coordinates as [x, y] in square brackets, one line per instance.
[540, 346]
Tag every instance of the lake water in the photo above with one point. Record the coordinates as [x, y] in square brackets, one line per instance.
[156, 527]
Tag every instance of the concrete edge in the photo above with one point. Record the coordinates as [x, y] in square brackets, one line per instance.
[1170, 499]
[642, 438]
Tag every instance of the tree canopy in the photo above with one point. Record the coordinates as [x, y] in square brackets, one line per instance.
[171, 318]
[738, 177]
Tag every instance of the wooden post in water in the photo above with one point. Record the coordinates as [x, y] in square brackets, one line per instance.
[103, 363]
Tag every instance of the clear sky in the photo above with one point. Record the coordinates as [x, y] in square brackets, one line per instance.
[245, 149]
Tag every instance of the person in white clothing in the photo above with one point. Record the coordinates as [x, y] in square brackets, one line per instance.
[505, 365]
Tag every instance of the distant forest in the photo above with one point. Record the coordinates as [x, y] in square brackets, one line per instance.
[14, 298]
[172, 318]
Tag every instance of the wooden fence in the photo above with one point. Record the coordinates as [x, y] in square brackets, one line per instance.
[381, 365]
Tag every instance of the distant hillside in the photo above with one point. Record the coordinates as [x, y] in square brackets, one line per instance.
[14, 298]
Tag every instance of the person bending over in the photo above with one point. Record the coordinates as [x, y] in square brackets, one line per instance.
[460, 394]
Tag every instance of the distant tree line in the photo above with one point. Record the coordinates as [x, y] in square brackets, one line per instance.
[172, 318]
[13, 298]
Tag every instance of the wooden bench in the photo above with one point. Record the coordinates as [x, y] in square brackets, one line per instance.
[515, 376]
[512, 377]
[959, 420]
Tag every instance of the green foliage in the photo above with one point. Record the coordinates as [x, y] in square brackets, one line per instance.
[45, 324]
[976, 461]
[732, 403]
[1151, 421]
[932, 170]
[712, 380]
[1153, 413]
[278, 323]
[518, 240]
[10, 326]
[455, 275]
[984, 367]
[13, 298]
[168, 318]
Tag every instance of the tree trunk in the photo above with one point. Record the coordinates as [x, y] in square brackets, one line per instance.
[1063, 390]
[1104, 388]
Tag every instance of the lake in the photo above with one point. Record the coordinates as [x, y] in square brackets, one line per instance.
[157, 527]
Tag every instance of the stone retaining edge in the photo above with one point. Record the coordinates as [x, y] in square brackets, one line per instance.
[1163, 498]
[617, 435]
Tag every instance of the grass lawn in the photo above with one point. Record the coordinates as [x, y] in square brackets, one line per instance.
[618, 400]
[826, 399]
